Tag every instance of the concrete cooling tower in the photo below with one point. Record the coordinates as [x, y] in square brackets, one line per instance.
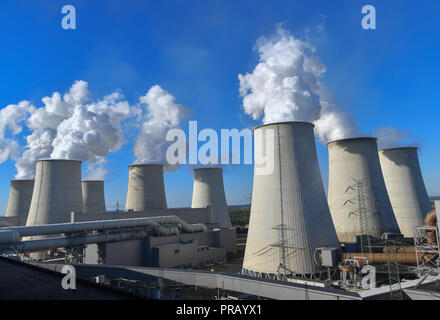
[208, 190]
[20, 196]
[57, 192]
[93, 200]
[406, 189]
[146, 189]
[290, 217]
[357, 196]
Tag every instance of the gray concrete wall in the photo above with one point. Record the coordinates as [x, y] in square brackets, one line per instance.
[210, 255]
[175, 255]
[127, 253]
[226, 238]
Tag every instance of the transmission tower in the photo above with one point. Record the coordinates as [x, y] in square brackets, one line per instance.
[361, 211]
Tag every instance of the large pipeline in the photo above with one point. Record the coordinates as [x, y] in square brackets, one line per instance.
[63, 242]
[104, 225]
[380, 258]
[405, 255]
[431, 221]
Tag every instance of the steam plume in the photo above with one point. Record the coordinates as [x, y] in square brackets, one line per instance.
[72, 127]
[162, 114]
[285, 86]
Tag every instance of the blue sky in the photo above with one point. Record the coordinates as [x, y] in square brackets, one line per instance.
[196, 49]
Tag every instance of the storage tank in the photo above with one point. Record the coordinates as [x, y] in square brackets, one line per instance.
[57, 192]
[146, 189]
[208, 190]
[93, 200]
[406, 188]
[357, 196]
[20, 196]
[289, 217]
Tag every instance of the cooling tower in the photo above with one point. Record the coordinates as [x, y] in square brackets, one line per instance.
[290, 217]
[57, 192]
[93, 200]
[146, 188]
[208, 190]
[20, 196]
[406, 189]
[357, 196]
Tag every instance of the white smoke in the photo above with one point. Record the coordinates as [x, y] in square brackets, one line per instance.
[11, 118]
[162, 114]
[285, 86]
[96, 170]
[389, 137]
[72, 127]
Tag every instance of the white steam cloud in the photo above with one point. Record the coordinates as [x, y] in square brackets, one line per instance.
[162, 114]
[285, 86]
[72, 127]
[11, 118]
[96, 170]
[389, 137]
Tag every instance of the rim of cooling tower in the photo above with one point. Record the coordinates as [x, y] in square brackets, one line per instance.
[352, 139]
[146, 165]
[400, 148]
[210, 168]
[284, 122]
[59, 160]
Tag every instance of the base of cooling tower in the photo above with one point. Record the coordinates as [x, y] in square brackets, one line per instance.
[307, 278]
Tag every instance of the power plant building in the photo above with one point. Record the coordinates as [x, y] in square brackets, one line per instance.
[406, 188]
[290, 216]
[208, 190]
[357, 196]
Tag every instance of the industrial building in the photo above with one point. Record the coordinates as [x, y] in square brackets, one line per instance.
[300, 245]
[357, 196]
[290, 217]
[182, 238]
[405, 187]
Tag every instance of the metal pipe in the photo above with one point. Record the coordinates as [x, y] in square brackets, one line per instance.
[36, 245]
[9, 237]
[431, 221]
[402, 258]
[105, 225]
